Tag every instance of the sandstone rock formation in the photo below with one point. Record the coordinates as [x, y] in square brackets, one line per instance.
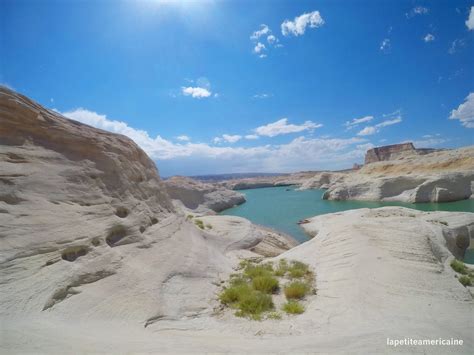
[95, 258]
[88, 232]
[201, 196]
[388, 152]
[440, 176]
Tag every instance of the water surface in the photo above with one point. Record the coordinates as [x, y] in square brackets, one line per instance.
[282, 207]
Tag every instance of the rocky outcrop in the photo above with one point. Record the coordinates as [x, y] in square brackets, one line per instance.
[322, 180]
[388, 152]
[440, 176]
[197, 195]
[268, 181]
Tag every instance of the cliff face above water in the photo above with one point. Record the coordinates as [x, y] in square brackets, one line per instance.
[388, 152]
[439, 176]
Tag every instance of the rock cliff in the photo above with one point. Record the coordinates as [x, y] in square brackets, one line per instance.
[439, 176]
[388, 152]
[200, 196]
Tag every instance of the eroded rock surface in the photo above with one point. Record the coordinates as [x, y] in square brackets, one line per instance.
[197, 195]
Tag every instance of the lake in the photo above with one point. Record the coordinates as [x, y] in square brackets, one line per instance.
[282, 207]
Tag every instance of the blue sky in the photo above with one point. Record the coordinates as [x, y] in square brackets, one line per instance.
[249, 86]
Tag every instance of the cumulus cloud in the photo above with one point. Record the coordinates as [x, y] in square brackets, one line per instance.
[299, 154]
[272, 39]
[251, 136]
[357, 121]
[385, 45]
[465, 112]
[264, 30]
[470, 20]
[282, 127]
[196, 92]
[298, 26]
[259, 48]
[418, 10]
[429, 38]
[183, 138]
[393, 118]
[231, 138]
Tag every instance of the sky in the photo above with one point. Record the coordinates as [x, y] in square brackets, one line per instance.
[208, 87]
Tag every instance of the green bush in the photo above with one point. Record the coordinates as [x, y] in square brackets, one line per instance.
[465, 280]
[274, 315]
[253, 271]
[282, 268]
[293, 307]
[298, 269]
[234, 293]
[296, 290]
[254, 303]
[459, 266]
[265, 283]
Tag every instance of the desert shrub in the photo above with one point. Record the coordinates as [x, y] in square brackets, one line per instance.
[282, 268]
[208, 226]
[234, 293]
[253, 304]
[253, 271]
[293, 307]
[274, 315]
[199, 223]
[296, 290]
[265, 283]
[459, 266]
[465, 280]
[298, 269]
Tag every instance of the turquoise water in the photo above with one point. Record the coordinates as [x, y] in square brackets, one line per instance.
[282, 207]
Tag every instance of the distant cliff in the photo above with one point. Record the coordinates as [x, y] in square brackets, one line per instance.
[387, 152]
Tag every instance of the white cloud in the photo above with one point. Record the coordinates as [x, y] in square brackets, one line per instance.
[282, 127]
[357, 121]
[195, 92]
[297, 27]
[262, 96]
[264, 30]
[183, 138]
[299, 154]
[369, 130]
[470, 19]
[251, 136]
[231, 138]
[456, 45]
[465, 112]
[429, 38]
[272, 39]
[418, 10]
[385, 45]
[259, 48]
[428, 142]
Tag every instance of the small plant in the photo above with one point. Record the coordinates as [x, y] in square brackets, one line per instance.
[296, 290]
[465, 280]
[199, 223]
[253, 271]
[234, 293]
[189, 216]
[298, 269]
[459, 266]
[208, 226]
[265, 283]
[282, 268]
[254, 303]
[293, 307]
[274, 315]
